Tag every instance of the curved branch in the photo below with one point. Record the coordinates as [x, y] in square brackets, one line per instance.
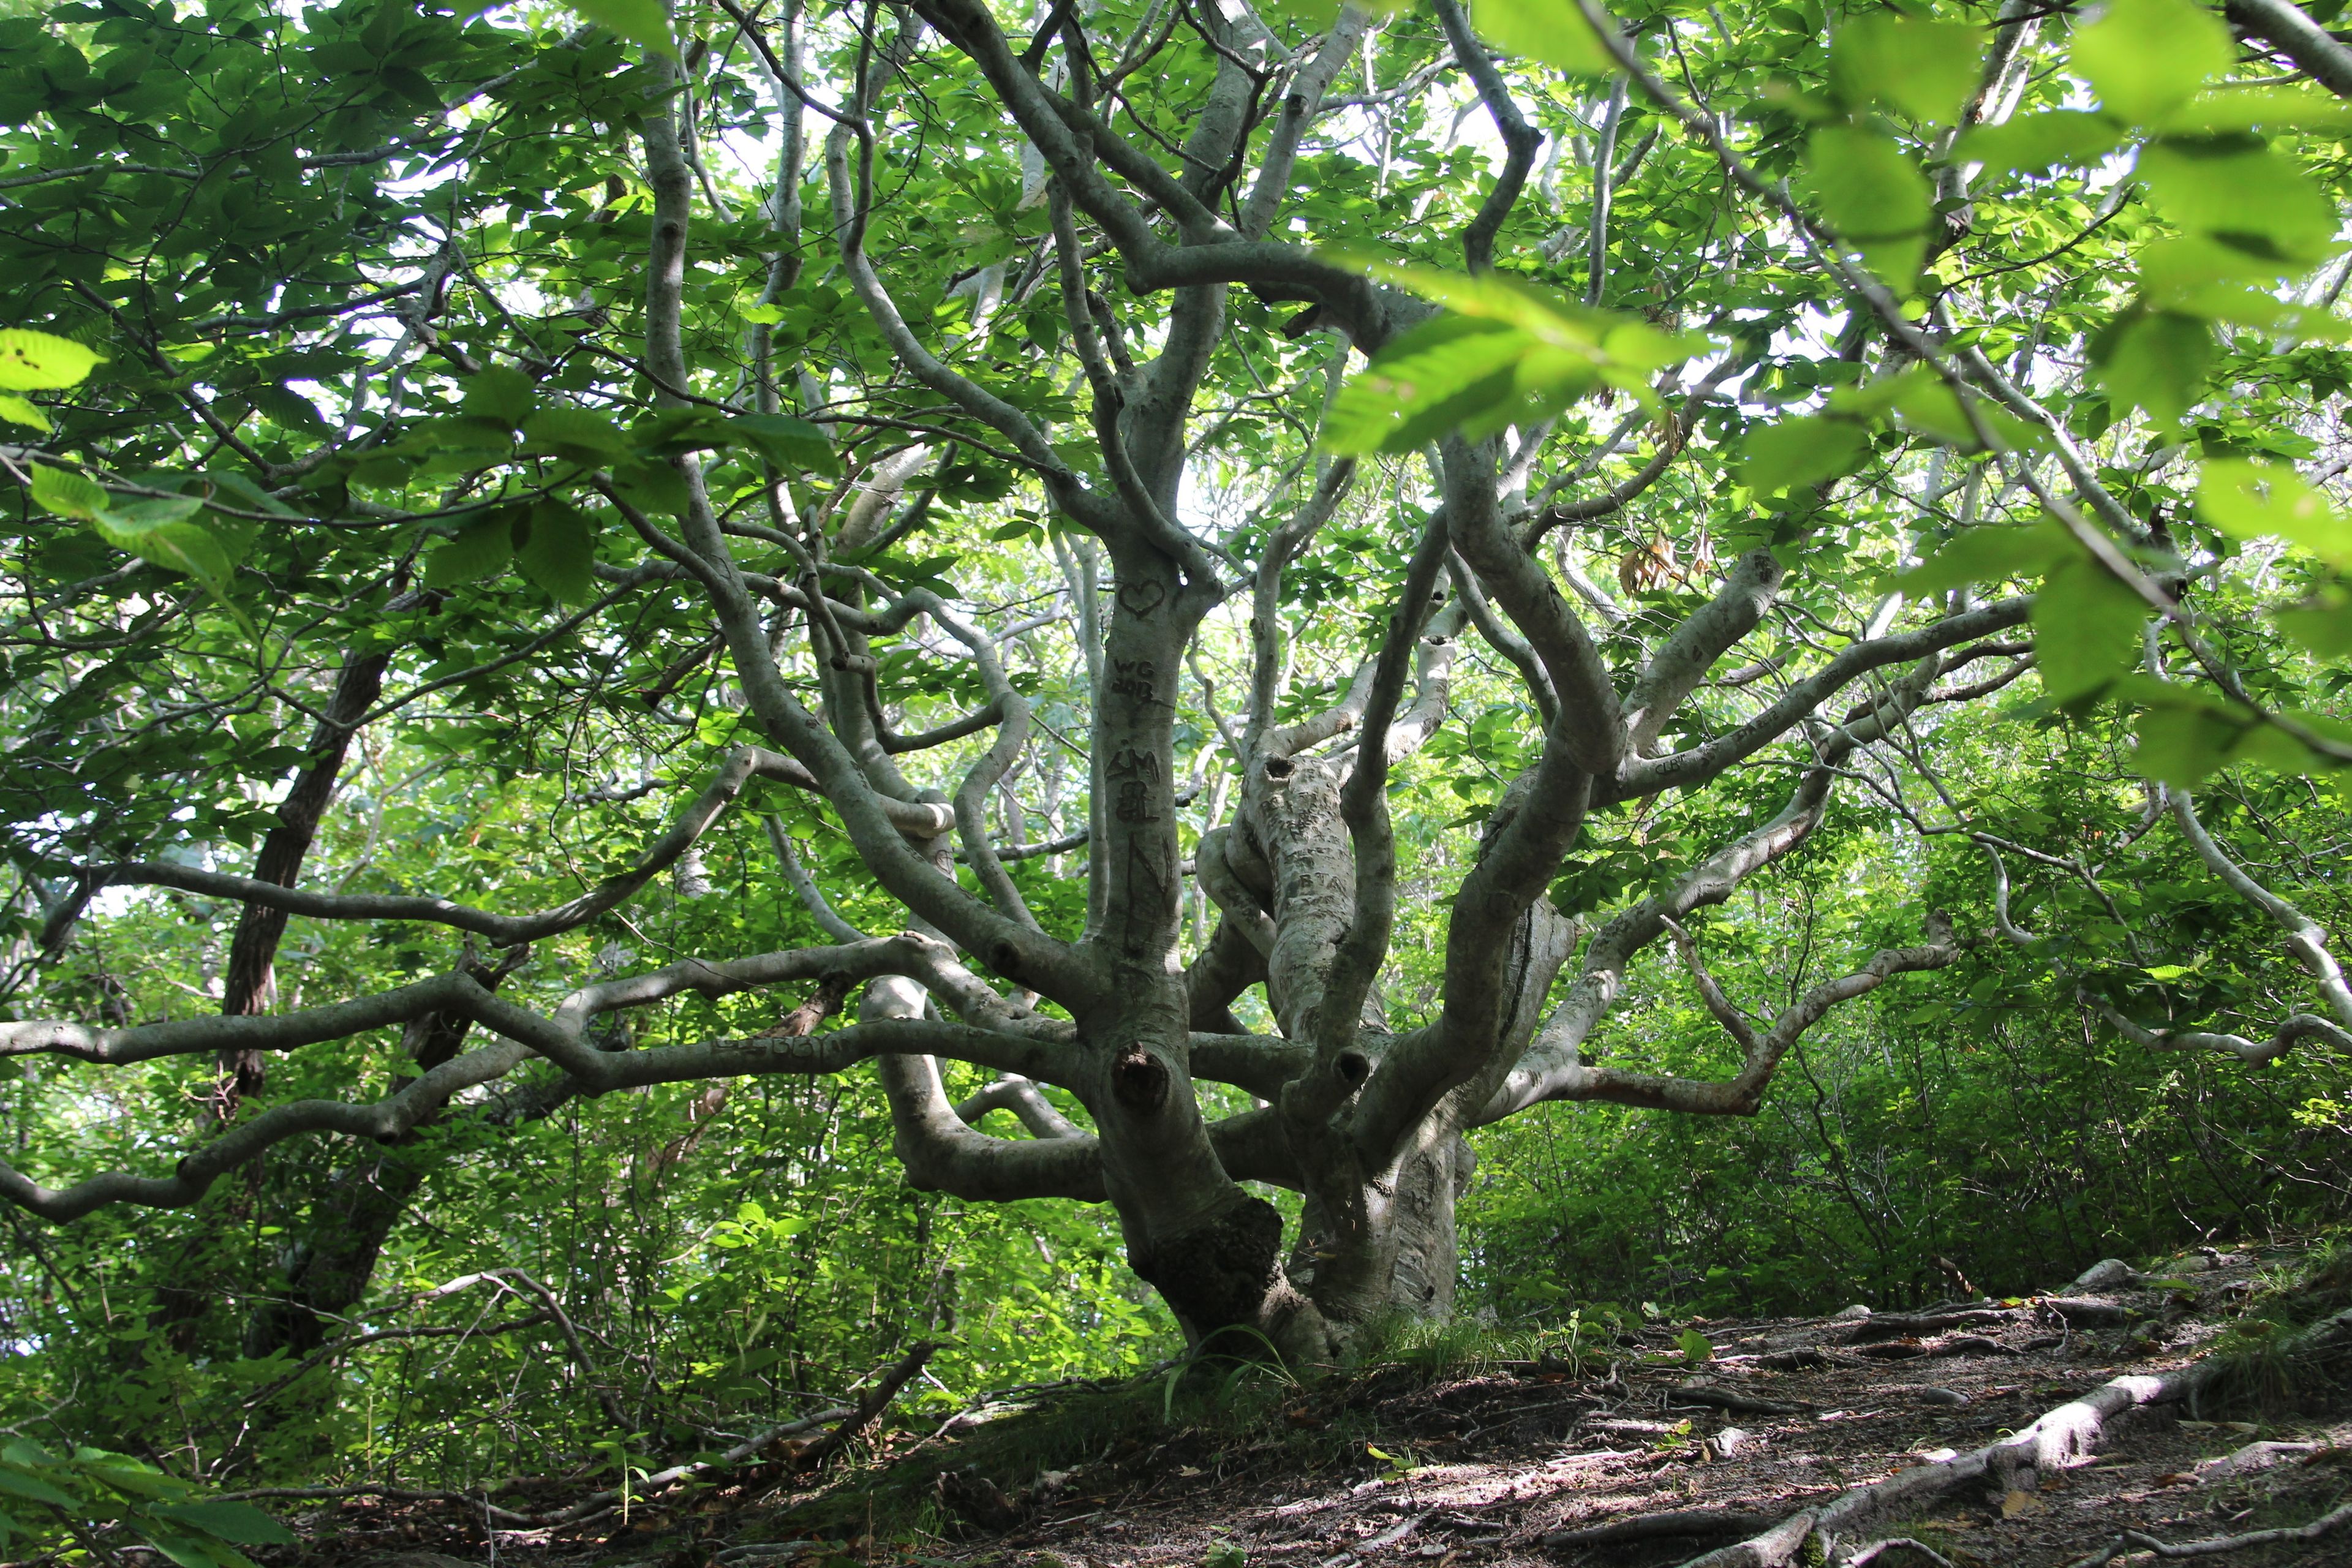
[1712, 630]
[741, 765]
[1698, 763]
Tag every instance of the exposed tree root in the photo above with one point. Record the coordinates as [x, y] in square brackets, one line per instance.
[2133, 1540]
[2059, 1439]
[1693, 1522]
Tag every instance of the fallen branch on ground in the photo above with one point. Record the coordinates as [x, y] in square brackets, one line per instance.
[1746, 1404]
[2326, 1524]
[1659, 1526]
[2058, 1439]
[870, 1407]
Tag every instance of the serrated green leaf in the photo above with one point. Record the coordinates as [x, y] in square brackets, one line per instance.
[473, 553]
[183, 547]
[67, 493]
[577, 434]
[42, 362]
[2254, 500]
[1426, 383]
[282, 406]
[2086, 630]
[1552, 31]
[243, 493]
[1926, 69]
[1873, 195]
[556, 548]
[2148, 58]
[15, 1482]
[22, 411]
[500, 392]
[791, 442]
[651, 486]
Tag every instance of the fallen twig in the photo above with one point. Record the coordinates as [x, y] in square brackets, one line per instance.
[604, 1502]
[1658, 1526]
[871, 1407]
[2326, 1524]
[1746, 1404]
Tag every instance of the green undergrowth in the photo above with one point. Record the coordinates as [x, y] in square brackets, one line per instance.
[2261, 1363]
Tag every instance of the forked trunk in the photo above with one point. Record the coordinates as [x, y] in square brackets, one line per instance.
[1428, 1254]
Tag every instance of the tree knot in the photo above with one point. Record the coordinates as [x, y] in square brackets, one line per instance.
[1140, 1080]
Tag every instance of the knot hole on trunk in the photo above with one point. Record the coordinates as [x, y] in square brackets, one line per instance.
[1354, 1067]
[1140, 1080]
[1279, 769]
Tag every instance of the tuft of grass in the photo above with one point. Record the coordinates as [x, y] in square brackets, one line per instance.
[2257, 1360]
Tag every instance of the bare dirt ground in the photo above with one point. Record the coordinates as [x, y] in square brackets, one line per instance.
[1634, 1454]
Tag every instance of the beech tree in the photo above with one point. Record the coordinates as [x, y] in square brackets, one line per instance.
[1064, 476]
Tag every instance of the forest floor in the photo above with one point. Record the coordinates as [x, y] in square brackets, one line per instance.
[1648, 1448]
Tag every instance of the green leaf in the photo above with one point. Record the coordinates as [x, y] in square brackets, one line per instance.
[282, 406]
[233, 1522]
[67, 493]
[643, 22]
[2322, 624]
[1552, 31]
[576, 434]
[473, 553]
[1989, 554]
[556, 548]
[2156, 360]
[190, 1552]
[2183, 744]
[32, 1489]
[22, 411]
[652, 485]
[39, 362]
[155, 534]
[1802, 451]
[501, 393]
[2147, 57]
[1509, 353]
[1874, 197]
[2086, 630]
[2263, 108]
[1430, 380]
[2239, 192]
[1933, 408]
[1696, 1347]
[1927, 70]
[791, 442]
[2255, 500]
[2032, 143]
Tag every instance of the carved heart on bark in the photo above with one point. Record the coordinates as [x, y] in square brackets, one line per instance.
[1142, 598]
